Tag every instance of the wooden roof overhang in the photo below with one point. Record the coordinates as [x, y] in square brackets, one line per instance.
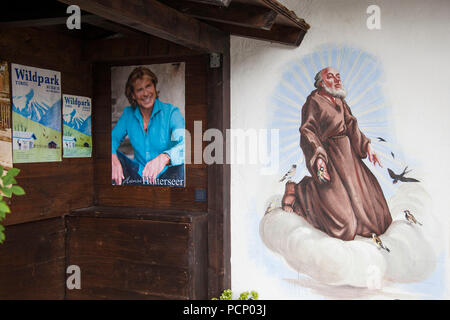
[201, 25]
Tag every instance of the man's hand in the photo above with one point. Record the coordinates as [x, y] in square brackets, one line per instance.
[322, 172]
[373, 156]
[117, 172]
[154, 167]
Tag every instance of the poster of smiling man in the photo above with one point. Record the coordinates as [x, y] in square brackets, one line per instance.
[148, 112]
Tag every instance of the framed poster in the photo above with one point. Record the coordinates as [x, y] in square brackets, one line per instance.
[77, 136]
[5, 117]
[148, 137]
[36, 114]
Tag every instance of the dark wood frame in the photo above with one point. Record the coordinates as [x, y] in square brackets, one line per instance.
[219, 237]
[154, 32]
[218, 183]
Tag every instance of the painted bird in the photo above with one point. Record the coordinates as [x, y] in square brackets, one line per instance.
[401, 177]
[410, 218]
[379, 243]
[380, 139]
[290, 173]
[321, 175]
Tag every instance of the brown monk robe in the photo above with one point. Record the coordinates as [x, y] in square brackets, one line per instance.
[352, 202]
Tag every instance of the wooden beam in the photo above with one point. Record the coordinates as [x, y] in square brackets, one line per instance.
[220, 3]
[219, 183]
[155, 18]
[115, 27]
[133, 49]
[240, 14]
[288, 14]
[89, 18]
[280, 34]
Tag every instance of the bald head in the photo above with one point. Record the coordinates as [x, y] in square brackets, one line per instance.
[329, 79]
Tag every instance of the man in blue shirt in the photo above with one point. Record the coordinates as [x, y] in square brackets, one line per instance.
[156, 132]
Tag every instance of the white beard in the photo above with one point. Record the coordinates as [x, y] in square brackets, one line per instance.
[337, 93]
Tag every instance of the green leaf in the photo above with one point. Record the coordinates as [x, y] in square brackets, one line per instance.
[7, 192]
[2, 235]
[1, 171]
[4, 207]
[7, 180]
[13, 172]
[18, 191]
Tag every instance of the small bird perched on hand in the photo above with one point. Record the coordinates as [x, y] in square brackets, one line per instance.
[410, 218]
[290, 173]
[321, 175]
[379, 243]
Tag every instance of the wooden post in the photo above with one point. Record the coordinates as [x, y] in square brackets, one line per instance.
[219, 242]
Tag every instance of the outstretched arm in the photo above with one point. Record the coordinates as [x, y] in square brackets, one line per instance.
[373, 157]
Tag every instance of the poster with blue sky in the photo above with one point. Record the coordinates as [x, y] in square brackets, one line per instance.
[77, 137]
[36, 114]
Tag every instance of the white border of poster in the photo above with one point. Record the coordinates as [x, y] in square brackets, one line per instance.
[171, 91]
[77, 134]
[36, 114]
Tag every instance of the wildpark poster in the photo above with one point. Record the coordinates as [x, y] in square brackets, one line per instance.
[77, 137]
[36, 114]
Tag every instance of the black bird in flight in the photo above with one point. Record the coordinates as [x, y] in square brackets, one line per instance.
[393, 155]
[380, 139]
[401, 177]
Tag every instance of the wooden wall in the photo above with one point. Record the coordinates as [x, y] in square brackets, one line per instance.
[52, 188]
[32, 261]
[55, 189]
[138, 253]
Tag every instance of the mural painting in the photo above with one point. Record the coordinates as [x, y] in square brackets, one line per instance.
[354, 220]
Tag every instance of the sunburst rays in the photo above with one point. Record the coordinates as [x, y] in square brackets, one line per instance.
[361, 74]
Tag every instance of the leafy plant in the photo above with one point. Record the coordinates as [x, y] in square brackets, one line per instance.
[227, 294]
[8, 187]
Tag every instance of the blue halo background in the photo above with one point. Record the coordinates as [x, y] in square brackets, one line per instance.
[362, 76]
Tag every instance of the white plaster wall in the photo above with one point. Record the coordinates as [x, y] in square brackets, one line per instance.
[414, 49]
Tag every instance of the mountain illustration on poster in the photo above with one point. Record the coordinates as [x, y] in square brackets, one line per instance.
[77, 138]
[36, 108]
